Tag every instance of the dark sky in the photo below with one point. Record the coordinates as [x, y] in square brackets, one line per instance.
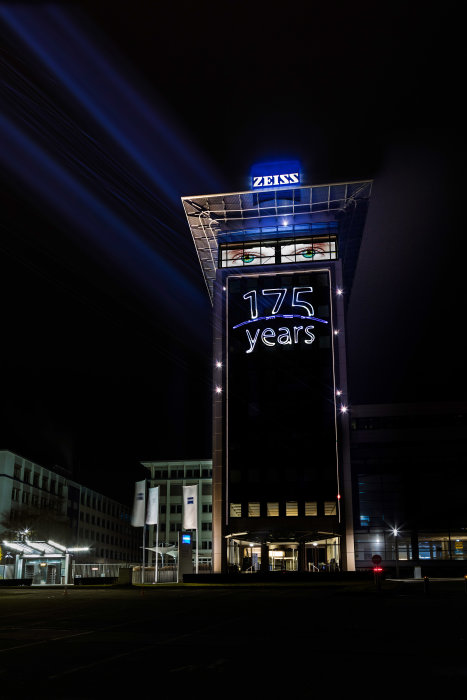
[111, 112]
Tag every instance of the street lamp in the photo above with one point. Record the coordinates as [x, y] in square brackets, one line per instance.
[395, 532]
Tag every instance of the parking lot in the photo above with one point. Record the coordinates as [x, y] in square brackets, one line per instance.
[91, 643]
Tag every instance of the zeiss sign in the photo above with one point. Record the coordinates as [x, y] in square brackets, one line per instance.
[275, 174]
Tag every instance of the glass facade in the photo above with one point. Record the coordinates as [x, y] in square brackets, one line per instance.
[270, 251]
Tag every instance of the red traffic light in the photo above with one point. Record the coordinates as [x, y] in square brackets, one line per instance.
[377, 569]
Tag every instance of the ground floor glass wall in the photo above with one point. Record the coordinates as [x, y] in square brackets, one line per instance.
[318, 555]
[407, 546]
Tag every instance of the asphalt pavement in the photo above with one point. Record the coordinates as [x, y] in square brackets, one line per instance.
[167, 641]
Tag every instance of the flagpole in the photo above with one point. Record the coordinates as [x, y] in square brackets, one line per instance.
[197, 526]
[157, 553]
[144, 542]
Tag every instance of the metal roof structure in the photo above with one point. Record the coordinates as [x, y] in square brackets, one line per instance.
[41, 549]
[278, 211]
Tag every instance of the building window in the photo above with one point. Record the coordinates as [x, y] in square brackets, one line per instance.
[18, 469]
[207, 508]
[206, 526]
[15, 494]
[273, 510]
[311, 508]
[235, 510]
[275, 252]
[253, 509]
[36, 479]
[291, 508]
[25, 497]
[330, 508]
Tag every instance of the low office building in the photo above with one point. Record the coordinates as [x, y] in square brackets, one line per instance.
[409, 463]
[171, 477]
[53, 507]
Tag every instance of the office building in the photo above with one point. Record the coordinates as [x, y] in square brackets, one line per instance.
[170, 477]
[52, 506]
[278, 261]
[409, 464]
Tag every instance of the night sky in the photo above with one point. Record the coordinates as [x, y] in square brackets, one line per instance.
[110, 113]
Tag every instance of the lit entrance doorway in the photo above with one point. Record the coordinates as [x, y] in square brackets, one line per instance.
[323, 554]
[283, 557]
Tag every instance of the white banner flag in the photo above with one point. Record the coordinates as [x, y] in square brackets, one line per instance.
[139, 504]
[152, 515]
[190, 508]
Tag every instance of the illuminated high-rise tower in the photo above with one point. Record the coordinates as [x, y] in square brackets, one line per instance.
[278, 261]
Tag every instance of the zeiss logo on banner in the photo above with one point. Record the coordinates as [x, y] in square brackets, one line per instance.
[190, 500]
[275, 174]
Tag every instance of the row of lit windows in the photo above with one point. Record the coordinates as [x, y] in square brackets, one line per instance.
[34, 500]
[108, 524]
[104, 538]
[272, 509]
[177, 527]
[35, 480]
[100, 504]
[176, 489]
[183, 473]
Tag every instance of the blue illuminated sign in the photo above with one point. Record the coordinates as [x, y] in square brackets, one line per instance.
[186, 539]
[280, 174]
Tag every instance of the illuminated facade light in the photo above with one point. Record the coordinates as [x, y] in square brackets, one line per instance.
[218, 364]
[343, 409]
[339, 392]
[218, 390]
[336, 331]
[339, 291]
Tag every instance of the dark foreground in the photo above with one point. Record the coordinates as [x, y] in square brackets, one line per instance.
[223, 641]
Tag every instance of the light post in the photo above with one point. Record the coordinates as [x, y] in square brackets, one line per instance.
[395, 532]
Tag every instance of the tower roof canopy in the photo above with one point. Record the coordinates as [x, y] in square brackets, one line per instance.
[279, 211]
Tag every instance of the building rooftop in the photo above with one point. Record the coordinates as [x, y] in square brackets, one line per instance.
[281, 212]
